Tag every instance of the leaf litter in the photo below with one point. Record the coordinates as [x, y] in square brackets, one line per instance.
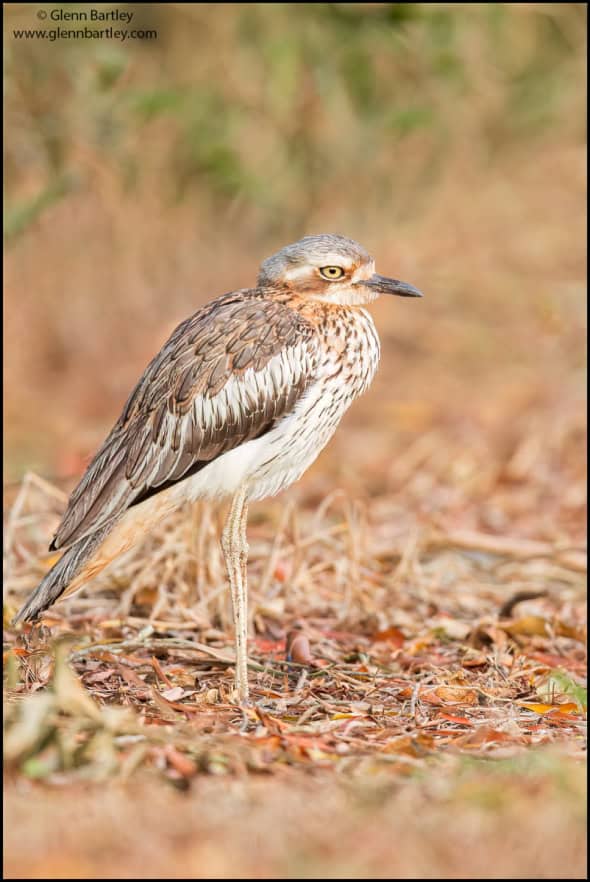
[392, 658]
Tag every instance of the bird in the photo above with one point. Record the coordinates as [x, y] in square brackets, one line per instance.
[237, 404]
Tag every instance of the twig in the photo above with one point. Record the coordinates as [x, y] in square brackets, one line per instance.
[570, 557]
[162, 644]
[507, 607]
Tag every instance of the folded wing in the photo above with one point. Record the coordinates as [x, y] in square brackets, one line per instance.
[225, 376]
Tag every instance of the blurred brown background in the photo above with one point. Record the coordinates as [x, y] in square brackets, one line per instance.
[144, 178]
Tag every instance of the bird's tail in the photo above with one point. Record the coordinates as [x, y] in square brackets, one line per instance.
[62, 575]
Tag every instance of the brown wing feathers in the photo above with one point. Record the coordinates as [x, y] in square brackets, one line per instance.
[224, 376]
[193, 402]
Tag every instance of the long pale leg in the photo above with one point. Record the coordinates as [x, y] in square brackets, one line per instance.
[235, 549]
[244, 549]
[243, 603]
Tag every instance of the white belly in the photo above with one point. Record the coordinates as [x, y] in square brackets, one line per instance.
[274, 461]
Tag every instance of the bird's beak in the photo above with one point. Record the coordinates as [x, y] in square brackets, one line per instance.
[391, 286]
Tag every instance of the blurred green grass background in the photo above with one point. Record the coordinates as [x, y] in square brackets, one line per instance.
[145, 177]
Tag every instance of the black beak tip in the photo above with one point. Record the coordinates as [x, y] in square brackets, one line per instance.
[385, 285]
[404, 289]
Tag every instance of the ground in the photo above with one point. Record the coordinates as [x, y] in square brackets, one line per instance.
[417, 684]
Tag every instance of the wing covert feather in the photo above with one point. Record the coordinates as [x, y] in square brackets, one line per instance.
[223, 377]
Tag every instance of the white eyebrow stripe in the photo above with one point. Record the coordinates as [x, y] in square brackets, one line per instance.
[298, 272]
[330, 259]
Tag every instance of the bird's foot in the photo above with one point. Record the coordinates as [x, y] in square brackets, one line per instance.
[241, 697]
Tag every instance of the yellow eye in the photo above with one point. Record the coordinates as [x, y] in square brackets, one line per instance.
[331, 272]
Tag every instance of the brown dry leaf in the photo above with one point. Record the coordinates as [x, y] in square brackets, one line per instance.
[477, 660]
[450, 695]
[99, 677]
[131, 677]
[179, 761]
[391, 635]
[528, 626]
[463, 721]
[160, 673]
[146, 596]
[571, 631]
[281, 571]
[168, 709]
[488, 635]
[412, 745]
[267, 742]
[271, 724]
[419, 643]
[482, 735]
[18, 651]
[566, 709]
[551, 660]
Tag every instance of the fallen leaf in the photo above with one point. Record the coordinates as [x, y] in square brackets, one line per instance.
[131, 677]
[99, 677]
[571, 631]
[481, 735]
[488, 635]
[419, 643]
[537, 707]
[168, 709]
[449, 695]
[181, 763]
[146, 596]
[281, 571]
[160, 673]
[528, 626]
[268, 646]
[475, 661]
[463, 721]
[391, 635]
[345, 717]
[16, 650]
[568, 708]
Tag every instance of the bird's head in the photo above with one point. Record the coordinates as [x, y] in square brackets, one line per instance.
[332, 269]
